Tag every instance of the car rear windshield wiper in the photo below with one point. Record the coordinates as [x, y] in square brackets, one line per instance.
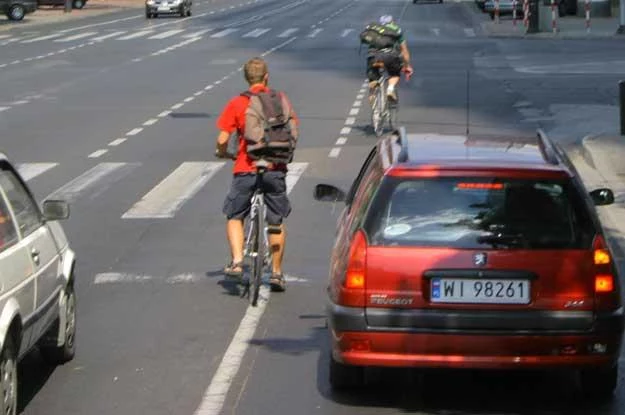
[503, 239]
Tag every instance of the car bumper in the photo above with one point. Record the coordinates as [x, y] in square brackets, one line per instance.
[168, 9]
[355, 343]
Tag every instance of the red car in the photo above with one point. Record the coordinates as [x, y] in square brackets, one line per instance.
[479, 252]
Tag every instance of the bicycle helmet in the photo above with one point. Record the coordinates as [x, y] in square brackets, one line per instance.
[386, 19]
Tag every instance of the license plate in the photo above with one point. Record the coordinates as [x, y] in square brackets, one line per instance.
[163, 8]
[480, 291]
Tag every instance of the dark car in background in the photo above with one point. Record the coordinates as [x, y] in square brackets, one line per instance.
[472, 253]
[76, 4]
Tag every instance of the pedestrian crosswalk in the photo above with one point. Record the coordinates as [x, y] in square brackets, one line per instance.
[164, 200]
[219, 33]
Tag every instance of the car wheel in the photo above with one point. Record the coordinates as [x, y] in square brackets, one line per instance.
[561, 9]
[8, 377]
[345, 376]
[78, 4]
[53, 353]
[16, 12]
[188, 12]
[148, 15]
[183, 11]
[599, 383]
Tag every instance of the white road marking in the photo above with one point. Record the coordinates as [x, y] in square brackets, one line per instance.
[315, 32]
[40, 38]
[20, 102]
[215, 394]
[223, 33]
[15, 62]
[137, 59]
[134, 131]
[197, 34]
[4, 108]
[76, 37]
[98, 177]
[4, 36]
[360, 96]
[436, 31]
[167, 34]
[177, 106]
[117, 277]
[469, 32]
[164, 200]
[288, 32]
[189, 99]
[354, 111]
[117, 141]
[150, 121]
[256, 33]
[198, 93]
[136, 35]
[208, 87]
[341, 141]
[346, 32]
[357, 103]
[110, 35]
[334, 153]
[346, 130]
[350, 121]
[97, 153]
[164, 114]
[29, 171]
[101, 24]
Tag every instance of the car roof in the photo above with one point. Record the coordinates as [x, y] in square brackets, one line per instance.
[523, 152]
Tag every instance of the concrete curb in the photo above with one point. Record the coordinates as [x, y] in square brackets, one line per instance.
[595, 150]
[520, 34]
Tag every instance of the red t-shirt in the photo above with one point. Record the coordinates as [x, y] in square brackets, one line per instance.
[233, 119]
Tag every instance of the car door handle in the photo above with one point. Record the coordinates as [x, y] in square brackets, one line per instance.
[35, 254]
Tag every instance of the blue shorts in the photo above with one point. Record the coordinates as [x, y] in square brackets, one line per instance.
[238, 201]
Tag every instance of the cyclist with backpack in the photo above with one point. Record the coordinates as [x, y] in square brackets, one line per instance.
[386, 43]
[267, 129]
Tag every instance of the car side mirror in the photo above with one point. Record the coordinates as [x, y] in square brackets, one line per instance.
[55, 210]
[602, 197]
[329, 193]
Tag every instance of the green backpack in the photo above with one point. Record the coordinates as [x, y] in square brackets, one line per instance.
[380, 36]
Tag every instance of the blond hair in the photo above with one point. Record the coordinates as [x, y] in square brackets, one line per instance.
[255, 70]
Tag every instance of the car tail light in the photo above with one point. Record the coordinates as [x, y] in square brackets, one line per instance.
[353, 290]
[606, 291]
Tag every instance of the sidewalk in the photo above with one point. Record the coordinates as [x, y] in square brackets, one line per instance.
[47, 14]
[569, 27]
[600, 163]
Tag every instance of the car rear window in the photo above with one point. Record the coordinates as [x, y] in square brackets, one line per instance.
[479, 213]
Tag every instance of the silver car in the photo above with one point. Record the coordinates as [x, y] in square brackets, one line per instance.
[37, 298]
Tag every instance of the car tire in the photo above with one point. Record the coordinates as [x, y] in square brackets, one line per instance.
[183, 11]
[78, 4]
[16, 12]
[189, 13]
[148, 15]
[345, 376]
[8, 376]
[599, 383]
[52, 353]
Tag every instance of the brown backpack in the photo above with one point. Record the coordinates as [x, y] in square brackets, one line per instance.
[270, 128]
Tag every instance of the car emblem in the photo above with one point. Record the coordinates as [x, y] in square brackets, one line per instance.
[479, 259]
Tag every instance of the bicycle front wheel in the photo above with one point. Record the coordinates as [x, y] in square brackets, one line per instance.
[258, 257]
[377, 112]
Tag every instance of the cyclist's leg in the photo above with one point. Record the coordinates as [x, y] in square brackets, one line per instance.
[236, 207]
[278, 208]
[373, 74]
[392, 62]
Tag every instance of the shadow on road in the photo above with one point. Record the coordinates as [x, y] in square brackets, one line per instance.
[33, 373]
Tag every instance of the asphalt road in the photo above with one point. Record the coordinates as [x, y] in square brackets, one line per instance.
[104, 110]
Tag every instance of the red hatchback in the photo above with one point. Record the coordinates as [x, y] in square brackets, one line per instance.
[479, 252]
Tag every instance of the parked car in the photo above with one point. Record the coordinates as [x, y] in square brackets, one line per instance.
[76, 4]
[37, 297]
[17, 9]
[154, 8]
[478, 252]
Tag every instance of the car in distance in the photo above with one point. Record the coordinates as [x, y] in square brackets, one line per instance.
[37, 297]
[472, 252]
[154, 8]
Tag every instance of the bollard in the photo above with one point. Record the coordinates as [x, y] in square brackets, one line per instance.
[554, 27]
[587, 11]
[514, 13]
[526, 16]
[68, 6]
[497, 11]
[621, 85]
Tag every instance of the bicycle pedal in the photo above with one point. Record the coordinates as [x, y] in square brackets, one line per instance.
[274, 229]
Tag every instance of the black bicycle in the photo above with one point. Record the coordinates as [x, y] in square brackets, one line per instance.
[256, 251]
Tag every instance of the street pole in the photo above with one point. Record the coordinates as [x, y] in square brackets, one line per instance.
[621, 26]
[68, 6]
[621, 87]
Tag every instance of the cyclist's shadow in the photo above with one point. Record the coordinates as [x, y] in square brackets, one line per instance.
[231, 286]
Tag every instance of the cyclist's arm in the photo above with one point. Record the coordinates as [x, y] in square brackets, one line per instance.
[405, 53]
[222, 142]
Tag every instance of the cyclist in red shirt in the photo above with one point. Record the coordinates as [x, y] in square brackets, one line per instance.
[238, 201]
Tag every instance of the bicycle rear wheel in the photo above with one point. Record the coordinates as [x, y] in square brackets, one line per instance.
[377, 112]
[257, 258]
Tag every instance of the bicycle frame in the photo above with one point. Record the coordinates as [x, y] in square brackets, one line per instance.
[380, 109]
